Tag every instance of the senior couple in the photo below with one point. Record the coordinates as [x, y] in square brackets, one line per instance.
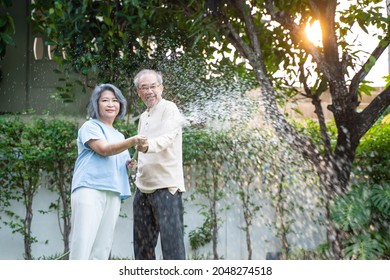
[100, 180]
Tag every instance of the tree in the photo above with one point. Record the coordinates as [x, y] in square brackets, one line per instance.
[59, 140]
[203, 154]
[271, 35]
[23, 159]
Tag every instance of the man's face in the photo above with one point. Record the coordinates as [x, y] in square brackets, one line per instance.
[149, 89]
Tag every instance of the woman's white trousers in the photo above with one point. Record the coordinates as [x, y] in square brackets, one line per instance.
[93, 220]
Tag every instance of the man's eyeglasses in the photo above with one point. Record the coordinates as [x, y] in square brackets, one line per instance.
[146, 88]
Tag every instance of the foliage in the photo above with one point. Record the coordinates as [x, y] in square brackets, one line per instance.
[10, 133]
[364, 214]
[60, 139]
[287, 182]
[203, 152]
[23, 159]
[352, 211]
[202, 235]
[373, 154]
[249, 165]
[125, 127]
[301, 254]
[245, 162]
[7, 28]
[97, 37]
[108, 41]
[310, 128]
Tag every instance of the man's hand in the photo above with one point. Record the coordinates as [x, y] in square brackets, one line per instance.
[143, 146]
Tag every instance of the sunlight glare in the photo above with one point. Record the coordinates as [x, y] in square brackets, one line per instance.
[314, 33]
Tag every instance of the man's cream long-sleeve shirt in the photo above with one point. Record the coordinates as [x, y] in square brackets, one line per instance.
[162, 165]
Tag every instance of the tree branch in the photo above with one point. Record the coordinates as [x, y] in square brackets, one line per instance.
[370, 114]
[325, 11]
[249, 24]
[359, 76]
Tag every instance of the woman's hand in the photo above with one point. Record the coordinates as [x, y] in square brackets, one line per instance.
[142, 144]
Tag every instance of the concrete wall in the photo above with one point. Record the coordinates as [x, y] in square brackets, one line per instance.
[306, 108]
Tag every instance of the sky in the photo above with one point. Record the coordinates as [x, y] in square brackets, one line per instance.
[381, 67]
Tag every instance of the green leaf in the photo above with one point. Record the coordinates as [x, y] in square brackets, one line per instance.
[7, 39]
[381, 198]
[370, 64]
[364, 247]
[351, 211]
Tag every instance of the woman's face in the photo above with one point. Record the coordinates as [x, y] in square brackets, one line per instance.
[109, 107]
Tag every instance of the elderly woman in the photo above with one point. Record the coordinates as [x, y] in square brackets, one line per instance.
[100, 179]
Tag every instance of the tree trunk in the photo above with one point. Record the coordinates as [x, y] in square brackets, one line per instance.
[248, 219]
[248, 242]
[280, 218]
[332, 233]
[214, 216]
[27, 230]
